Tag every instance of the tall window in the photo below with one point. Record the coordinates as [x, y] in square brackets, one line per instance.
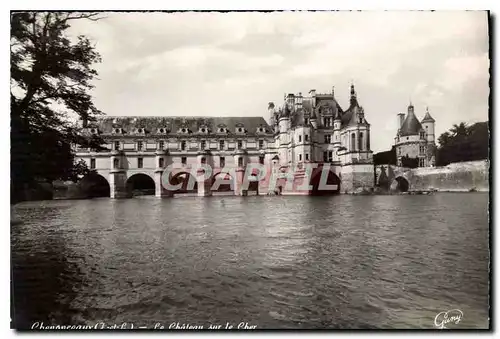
[328, 122]
[117, 145]
[92, 163]
[422, 150]
[306, 138]
[353, 142]
[183, 160]
[328, 139]
[307, 156]
[140, 162]
[421, 162]
[161, 163]
[422, 135]
[203, 160]
[261, 160]
[139, 145]
[330, 156]
[183, 145]
[116, 163]
[360, 141]
[300, 138]
[306, 121]
[221, 144]
[222, 162]
[240, 162]
[161, 145]
[240, 144]
[203, 144]
[261, 144]
[325, 156]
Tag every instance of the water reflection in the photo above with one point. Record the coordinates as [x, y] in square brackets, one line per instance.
[277, 262]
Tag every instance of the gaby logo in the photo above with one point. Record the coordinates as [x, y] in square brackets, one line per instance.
[452, 316]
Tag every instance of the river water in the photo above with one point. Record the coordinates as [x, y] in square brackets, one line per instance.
[270, 262]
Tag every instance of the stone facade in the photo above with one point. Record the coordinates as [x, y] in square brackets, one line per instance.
[455, 177]
[303, 130]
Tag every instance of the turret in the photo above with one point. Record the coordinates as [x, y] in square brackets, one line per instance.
[314, 119]
[271, 111]
[353, 98]
[312, 94]
[298, 101]
[428, 124]
[337, 122]
[284, 119]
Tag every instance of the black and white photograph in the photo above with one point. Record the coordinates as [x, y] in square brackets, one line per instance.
[190, 171]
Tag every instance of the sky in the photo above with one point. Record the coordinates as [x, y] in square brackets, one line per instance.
[234, 64]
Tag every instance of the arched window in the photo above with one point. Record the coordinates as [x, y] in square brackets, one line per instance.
[360, 141]
[116, 163]
[353, 142]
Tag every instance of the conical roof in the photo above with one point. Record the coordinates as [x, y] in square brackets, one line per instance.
[427, 117]
[411, 125]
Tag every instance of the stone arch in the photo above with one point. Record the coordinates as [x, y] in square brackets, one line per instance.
[222, 187]
[332, 179]
[188, 181]
[400, 184]
[253, 183]
[95, 185]
[141, 184]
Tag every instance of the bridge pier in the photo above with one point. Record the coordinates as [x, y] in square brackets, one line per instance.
[160, 190]
[356, 177]
[204, 184]
[239, 186]
[118, 184]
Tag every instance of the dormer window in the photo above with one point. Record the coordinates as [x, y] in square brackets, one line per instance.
[93, 130]
[140, 130]
[118, 130]
[203, 130]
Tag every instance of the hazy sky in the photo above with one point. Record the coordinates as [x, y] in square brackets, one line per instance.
[233, 64]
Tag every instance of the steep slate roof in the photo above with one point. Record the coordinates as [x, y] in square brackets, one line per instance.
[152, 123]
[428, 118]
[411, 125]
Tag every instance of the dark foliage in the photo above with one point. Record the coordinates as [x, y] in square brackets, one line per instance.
[409, 162]
[463, 143]
[51, 77]
[385, 158]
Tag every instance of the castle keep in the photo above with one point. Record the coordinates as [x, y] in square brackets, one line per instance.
[415, 139]
[302, 131]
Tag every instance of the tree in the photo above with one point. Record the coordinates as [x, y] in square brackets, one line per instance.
[463, 143]
[409, 162]
[386, 158]
[51, 78]
[459, 130]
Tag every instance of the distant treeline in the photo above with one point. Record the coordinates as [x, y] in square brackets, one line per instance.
[460, 143]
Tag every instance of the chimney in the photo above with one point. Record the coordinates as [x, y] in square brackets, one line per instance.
[312, 94]
[401, 119]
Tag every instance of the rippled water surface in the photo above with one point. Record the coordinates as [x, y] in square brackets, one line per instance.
[274, 262]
